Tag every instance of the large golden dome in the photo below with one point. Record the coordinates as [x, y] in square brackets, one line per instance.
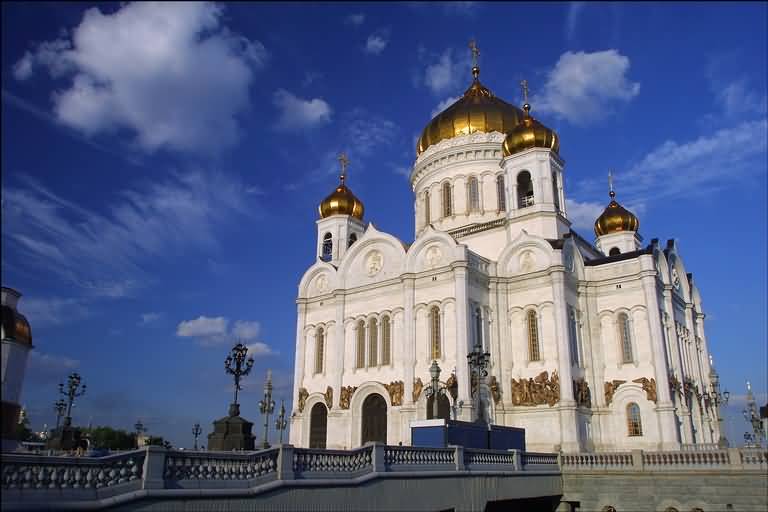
[478, 110]
[615, 218]
[341, 202]
[529, 134]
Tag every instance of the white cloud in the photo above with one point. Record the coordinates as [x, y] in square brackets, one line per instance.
[572, 18]
[243, 330]
[737, 98]
[310, 77]
[215, 330]
[447, 72]
[148, 318]
[363, 132]
[447, 102]
[44, 312]
[297, 113]
[584, 87]
[45, 368]
[354, 19]
[170, 73]
[203, 327]
[103, 253]
[377, 42]
[259, 349]
[583, 214]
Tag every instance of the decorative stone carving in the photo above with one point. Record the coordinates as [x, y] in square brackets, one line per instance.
[417, 387]
[527, 261]
[373, 263]
[674, 384]
[610, 390]
[395, 390]
[303, 394]
[495, 390]
[329, 397]
[538, 391]
[452, 385]
[649, 386]
[345, 396]
[321, 283]
[433, 256]
[582, 393]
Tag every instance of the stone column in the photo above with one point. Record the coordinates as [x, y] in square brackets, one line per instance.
[340, 349]
[462, 340]
[408, 350]
[568, 423]
[298, 370]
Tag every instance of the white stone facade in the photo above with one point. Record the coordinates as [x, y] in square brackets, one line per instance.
[629, 325]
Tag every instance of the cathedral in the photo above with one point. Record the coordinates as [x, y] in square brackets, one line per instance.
[593, 345]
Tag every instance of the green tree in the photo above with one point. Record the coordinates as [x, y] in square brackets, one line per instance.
[23, 432]
[158, 441]
[110, 438]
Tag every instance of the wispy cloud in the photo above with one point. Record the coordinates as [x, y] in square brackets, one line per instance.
[572, 19]
[377, 42]
[132, 70]
[447, 102]
[584, 87]
[103, 253]
[297, 113]
[354, 19]
[447, 72]
[150, 318]
[45, 368]
[48, 311]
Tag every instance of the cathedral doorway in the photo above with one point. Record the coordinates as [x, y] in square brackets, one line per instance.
[443, 408]
[374, 419]
[318, 426]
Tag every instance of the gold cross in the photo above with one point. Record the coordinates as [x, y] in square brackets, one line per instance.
[475, 52]
[344, 161]
[524, 86]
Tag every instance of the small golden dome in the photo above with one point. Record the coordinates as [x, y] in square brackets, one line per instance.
[15, 326]
[341, 202]
[529, 134]
[615, 218]
[478, 110]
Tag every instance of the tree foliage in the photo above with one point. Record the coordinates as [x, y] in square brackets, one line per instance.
[110, 438]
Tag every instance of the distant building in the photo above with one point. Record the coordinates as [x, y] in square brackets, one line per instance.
[16, 337]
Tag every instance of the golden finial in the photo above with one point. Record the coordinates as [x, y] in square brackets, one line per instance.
[610, 185]
[475, 54]
[524, 87]
[344, 161]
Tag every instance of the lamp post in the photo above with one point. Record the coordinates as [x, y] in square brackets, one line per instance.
[267, 407]
[196, 431]
[478, 364]
[435, 390]
[71, 392]
[242, 367]
[59, 406]
[281, 423]
[755, 438]
[140, 428]
[718, 399]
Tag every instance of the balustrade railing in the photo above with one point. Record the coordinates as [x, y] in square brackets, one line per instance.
[613, 460]
[662, 460]
[210, 466]
[332, 463]
[486, 458]
[417, 456]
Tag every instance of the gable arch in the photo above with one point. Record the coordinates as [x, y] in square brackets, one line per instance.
[429, 237]
[351, 270]
[541, 255]
[312, 272]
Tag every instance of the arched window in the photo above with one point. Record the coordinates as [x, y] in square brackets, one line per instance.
[352, 239]
[524, 190]
[386, 341]
[479, 327]
[319, 350]
[373, 342]
[501, 193]
[555, 192]
[533, 336]
[434, 334]
[614, 251]
[626, 338]
[447, 200]
[474, 194]
[427, 207]
[327, 247]
[634, 424]
[573, 337]
[360, 344]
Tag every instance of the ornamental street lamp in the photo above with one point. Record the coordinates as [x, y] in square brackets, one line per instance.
[717, 399]
[435, 390]
[478, 364]
[281, 423]
[196, 431]
[240, 370]
[71, 392]
[59, 406]
[267, 407]
[751, 415]
[140, 428]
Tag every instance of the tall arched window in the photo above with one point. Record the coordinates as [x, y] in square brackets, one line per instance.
[573, 337]
[533, 336]
[501, 193]
[634, 423]
[352, 239]
[386, 341]
[434, 332]
[373, 342]
[626, 338]
[555, 192]
[524, 190]
[319, 350]
[327, 247]
[479, 327]
[427, 207]
[447, 200]
[474, 194]
[360, 363]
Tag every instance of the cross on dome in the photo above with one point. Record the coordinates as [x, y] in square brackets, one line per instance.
[610, 185]
[344, 162]
[524, 87]
[475, 54]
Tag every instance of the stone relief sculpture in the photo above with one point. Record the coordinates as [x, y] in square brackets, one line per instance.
[373, 263]
[303, 394]
[674, 384]
[345, 396]
[610, 390]
[527, 261]
[495, 390]
[537, 391]
[395, 390]
[452, 385]
[321, 283]
[417, 387]
[329, 397]
[433, 256]
[582, 393]
[649, 386]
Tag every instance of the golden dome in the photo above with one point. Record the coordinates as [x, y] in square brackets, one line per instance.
[478, 110]
[341, 202]
[615, 218]
[15, 326]
[529, 134]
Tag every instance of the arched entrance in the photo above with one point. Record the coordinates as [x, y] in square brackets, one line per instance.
[374, 419]
[443, 408]
[318, 426]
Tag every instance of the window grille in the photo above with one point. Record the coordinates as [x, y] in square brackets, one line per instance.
[501, 193]
[634, 423]
[319, 350]
[434, 317]
[447, 200]
[360, 344]
[373, 342]
[626, 339]
[533, 336]
[386, 341]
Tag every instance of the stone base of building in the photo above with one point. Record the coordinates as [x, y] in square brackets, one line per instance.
[231, 432]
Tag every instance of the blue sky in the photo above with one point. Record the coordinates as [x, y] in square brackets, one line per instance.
[162, 165]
